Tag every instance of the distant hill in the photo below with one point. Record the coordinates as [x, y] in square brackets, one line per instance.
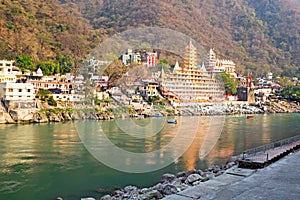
[259, 35]
[43, 29]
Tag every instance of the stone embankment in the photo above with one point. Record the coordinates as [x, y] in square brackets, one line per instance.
[233, 108]
[35, 115]
[51, 115]
[169, 184]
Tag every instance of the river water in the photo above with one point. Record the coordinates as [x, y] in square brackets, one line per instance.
[43, 161]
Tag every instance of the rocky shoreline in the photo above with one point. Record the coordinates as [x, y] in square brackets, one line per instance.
[44, 115]
[23, 116]
[169, 184]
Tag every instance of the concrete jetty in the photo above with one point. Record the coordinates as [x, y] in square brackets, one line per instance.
[279, 180]
[262, 156]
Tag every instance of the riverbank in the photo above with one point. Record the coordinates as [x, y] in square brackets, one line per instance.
[279, 180]
[24, 116]
[192, 184]
[45, 115]
[169, 184]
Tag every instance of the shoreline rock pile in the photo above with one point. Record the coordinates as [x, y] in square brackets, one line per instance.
[169, 184]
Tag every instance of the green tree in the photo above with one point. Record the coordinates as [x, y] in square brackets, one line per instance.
[24, 62]
[65, 63]
[49, 67]
[43, 94]
[284, 81]
[230, 84]
[51, 101]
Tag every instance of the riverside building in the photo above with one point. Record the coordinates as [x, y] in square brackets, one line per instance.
[191, 83]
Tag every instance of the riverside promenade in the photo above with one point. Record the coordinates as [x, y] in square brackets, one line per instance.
[280, 180]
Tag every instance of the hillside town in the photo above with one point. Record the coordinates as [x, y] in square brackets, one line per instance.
[166, 91]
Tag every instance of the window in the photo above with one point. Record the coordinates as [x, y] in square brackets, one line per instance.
[20, 90]
[28, 90]
[10, 90]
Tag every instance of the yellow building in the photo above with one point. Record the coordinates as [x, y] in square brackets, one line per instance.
[190, 83]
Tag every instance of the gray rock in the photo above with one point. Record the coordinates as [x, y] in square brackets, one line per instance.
[88, 198]
[168, 177]
[66, 116]
[130, 188]
[145, 190]
[169, 189]
[219, 172]
[193, 171]
[153, 194]
[7, 119]
[40, 118]
[216, 168]
[182, 187]
[53, 117]
[196, 183]
[194, 177]
[230, 164]
[181, 174]
[158, 187]
[208, 175]
[106, 197]
[14, 115]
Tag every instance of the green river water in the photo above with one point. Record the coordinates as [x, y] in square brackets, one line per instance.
[44, 161]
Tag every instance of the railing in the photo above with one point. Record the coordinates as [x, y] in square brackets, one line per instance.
[265, 152]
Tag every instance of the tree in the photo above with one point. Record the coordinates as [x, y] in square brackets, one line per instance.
[49, 67]
[284, 81]
[230, 84]
[65, 63]
[25, 63]
[43, 94]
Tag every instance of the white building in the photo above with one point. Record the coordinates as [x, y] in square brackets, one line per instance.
[17, 91]
[217, 65]
[8, 71]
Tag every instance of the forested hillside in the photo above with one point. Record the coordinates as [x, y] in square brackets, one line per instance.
[43, 30]
[259, 35]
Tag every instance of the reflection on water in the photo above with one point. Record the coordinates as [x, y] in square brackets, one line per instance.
[48, 160]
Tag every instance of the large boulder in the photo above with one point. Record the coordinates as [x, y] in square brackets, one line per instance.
[169, 189]
[66, 116]
[106, 197]
[27, 119]
[53, 117]
[14, 115]
[22, 115]
[39, 118]
[168, 178]
[193, 178]
[5, 117]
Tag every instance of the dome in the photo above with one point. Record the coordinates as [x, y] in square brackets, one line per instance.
[39, 72]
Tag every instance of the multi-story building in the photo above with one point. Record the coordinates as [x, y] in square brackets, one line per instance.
[216, 65]
[190, 83]
[131, 57]
[17, 91]
[148, 58]
[8, 71]
[149, 89]
[152, 59]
